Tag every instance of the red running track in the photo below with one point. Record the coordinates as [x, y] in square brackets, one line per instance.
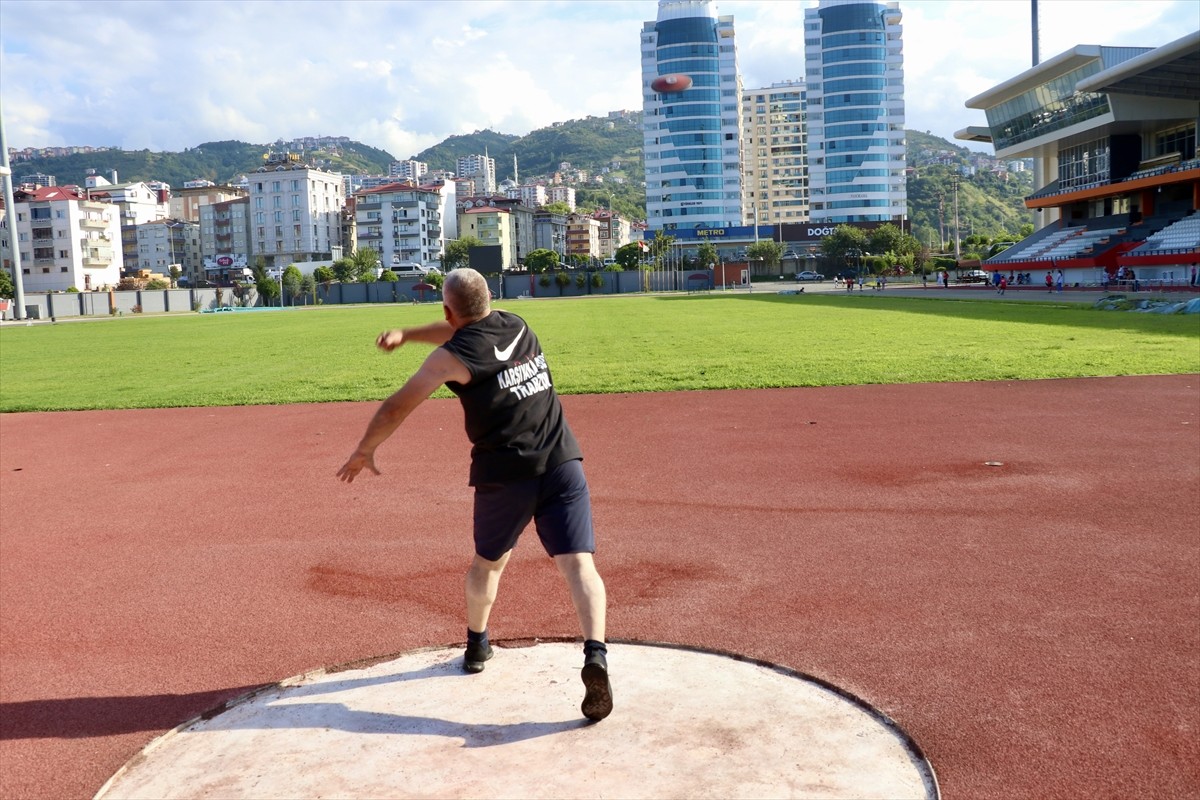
[1034, 626]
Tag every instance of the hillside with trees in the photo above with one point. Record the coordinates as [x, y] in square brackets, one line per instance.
[610, 148]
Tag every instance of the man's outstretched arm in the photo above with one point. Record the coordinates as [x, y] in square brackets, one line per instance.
[435, 333]
[438, 368]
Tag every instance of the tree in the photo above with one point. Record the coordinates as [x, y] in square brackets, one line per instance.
[884, 239]
[557, 208]
[323, 274]
[563, 280]
[175, 273]
[292, 278]
[7, 287]
[387, 276]
[767, 250]
[845, 241]
[628, 256]
[308, 285]
[458, 253]
[706, 255]
[155, 284]
[264, 284]
[344, 270]
[541, 260]
[366, 262]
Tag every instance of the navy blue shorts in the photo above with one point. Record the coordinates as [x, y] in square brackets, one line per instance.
[558, 502]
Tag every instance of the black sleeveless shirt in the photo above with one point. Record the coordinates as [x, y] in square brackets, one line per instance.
[513, 416]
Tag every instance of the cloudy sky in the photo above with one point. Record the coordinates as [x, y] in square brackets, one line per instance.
[402, 76]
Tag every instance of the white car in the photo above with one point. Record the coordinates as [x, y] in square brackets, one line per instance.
[413, 270]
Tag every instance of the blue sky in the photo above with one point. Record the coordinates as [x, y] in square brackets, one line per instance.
[402, 76]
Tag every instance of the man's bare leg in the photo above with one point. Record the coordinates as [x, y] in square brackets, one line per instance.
[483, 580]
[591, 602]
[587, 592]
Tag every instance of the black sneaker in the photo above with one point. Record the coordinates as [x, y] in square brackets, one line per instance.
[597, 698]
[475, 656]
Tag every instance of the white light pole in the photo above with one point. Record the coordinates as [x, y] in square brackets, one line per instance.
[10, 221]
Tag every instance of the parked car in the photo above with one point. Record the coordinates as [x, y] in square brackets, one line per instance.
[974, 276]
[413, 270]
[791, 254]
[809, 275]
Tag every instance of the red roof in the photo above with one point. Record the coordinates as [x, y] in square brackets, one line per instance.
[43, 193]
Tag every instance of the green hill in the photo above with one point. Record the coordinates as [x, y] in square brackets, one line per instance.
[606, 146]
[219, 162]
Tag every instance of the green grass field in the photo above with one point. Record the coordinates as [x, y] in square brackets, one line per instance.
[595, 345]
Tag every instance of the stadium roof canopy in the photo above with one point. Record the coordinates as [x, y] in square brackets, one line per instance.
[1171, 71]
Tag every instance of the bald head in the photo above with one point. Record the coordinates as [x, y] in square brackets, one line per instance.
[467, 294]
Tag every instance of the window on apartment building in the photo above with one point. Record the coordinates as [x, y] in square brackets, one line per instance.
[274, 186]
[45, 270]
[64, 254]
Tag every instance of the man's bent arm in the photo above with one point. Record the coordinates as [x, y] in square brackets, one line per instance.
[435, 333]
[440, 367]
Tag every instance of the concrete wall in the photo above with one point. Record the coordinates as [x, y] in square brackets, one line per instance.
[100, 304]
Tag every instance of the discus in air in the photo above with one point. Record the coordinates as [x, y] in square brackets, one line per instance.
[668, 84]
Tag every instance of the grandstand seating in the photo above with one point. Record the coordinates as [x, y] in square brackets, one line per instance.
[1178, 236]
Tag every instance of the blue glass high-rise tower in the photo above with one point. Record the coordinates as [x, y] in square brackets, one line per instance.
[854, 69]
[692, 138]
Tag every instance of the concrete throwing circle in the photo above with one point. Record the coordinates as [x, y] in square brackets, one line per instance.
[686, 723]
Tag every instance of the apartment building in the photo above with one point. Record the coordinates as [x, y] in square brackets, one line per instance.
[408, 170]
[65, 239]
[137, 202]
[613, 233]
[775, 154]
[561, 194]
[185, 204]
[692, 137]
[167, 242]
[295, 213]
[583, 236]
[479, 168]
[491, 225]
[401, 222]
[225, 245]
[854, 71]
[531, 195]
[550, 232]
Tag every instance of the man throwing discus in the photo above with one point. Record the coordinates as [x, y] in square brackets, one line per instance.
[525, 462]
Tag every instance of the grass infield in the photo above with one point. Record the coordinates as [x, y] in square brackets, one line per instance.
[594, 345]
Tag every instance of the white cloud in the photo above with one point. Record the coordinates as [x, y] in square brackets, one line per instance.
[402, 76]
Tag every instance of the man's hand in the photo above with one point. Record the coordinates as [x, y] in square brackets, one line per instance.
[355, 465]
[390, 340]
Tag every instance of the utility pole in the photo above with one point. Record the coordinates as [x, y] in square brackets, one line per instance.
[956, 238]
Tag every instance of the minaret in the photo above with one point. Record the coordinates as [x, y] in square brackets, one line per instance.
[516, 179]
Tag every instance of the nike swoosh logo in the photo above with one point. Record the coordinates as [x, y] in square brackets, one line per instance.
[506, 353]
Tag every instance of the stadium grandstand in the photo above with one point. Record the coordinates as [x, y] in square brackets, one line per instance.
[1112, 131]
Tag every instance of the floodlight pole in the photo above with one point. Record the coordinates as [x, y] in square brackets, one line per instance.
[10, 221]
